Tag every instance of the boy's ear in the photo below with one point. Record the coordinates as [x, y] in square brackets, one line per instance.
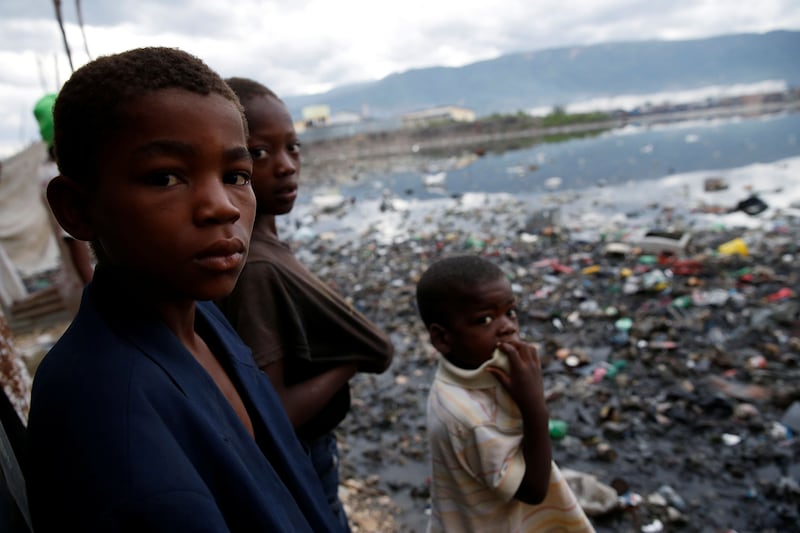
[440, 338]
[70, 205]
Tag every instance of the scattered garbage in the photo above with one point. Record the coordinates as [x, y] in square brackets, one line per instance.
[436, 179]
[752, 205]
[715, 183]
[657, 242]
[553, 182]
[329, 202]
[791, 418]
[557, 428]
[670, 349]
[736, 246]
[618, 249]
[730, 439]
[596, 498]
[654, 527]
[546, 221]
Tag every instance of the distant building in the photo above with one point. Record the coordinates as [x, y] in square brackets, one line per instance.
[300, 126]
[316, 115]
[344, 117]
[437, 114]
[320, 118]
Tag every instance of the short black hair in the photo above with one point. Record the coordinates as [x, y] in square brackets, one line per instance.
[445, 280]
[92, 103]
[247, 89]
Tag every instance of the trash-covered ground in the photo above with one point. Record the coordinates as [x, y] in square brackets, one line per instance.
[673, 379]
[666, 315]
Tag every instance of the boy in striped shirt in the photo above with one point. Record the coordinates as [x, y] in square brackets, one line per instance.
[487, 418]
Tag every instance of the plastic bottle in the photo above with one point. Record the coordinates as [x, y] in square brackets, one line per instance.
[558, 428]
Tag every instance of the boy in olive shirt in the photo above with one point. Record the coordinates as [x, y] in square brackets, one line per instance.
[304, 335]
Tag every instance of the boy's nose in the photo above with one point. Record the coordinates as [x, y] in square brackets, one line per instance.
[285, 164]
[214, 203]
[508, 327]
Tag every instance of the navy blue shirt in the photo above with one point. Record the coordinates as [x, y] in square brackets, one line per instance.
[128, 432]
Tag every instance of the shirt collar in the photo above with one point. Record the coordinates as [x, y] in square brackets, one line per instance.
[475, 378]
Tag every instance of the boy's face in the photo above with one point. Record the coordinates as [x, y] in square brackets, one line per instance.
[275, 149]
[481, 317]
[173, 200]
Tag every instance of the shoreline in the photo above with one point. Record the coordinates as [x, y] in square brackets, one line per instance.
[339, 159]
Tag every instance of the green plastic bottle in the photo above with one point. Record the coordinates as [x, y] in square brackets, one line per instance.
[558, 428]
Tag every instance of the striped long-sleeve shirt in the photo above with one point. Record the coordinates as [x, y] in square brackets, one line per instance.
[475, 433]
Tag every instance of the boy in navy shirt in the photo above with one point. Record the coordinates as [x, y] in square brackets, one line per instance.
[149, 413]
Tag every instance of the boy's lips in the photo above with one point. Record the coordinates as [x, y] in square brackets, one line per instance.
[287, 193]
[223, 255]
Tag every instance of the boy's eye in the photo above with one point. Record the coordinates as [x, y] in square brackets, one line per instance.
[238, 178]
[294, 148]
[485, 320]
[259, 153]
[512, 313]
[163, 179]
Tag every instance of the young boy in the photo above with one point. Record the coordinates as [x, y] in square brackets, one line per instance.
[487, 418]
[306, 338]
[149, 414]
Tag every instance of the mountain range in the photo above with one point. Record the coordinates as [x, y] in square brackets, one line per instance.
[560, 76]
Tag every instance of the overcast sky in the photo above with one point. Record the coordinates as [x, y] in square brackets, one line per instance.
[310, 46]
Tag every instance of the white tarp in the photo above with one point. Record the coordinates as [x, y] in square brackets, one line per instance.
[25, 231]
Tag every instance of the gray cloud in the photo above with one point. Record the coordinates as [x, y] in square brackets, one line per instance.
[310, 46]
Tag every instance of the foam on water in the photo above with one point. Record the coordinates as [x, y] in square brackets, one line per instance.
[587, 213]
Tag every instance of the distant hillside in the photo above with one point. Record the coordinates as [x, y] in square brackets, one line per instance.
[565, 75]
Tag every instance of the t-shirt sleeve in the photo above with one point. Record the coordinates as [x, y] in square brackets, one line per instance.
[340, 332]
[263, 313]
[495, 459]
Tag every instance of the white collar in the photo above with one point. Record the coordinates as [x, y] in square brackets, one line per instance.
[475, 378]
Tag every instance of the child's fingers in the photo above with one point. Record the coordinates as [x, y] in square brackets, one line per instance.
[519, 352]
[523, 381]
[501, 376]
